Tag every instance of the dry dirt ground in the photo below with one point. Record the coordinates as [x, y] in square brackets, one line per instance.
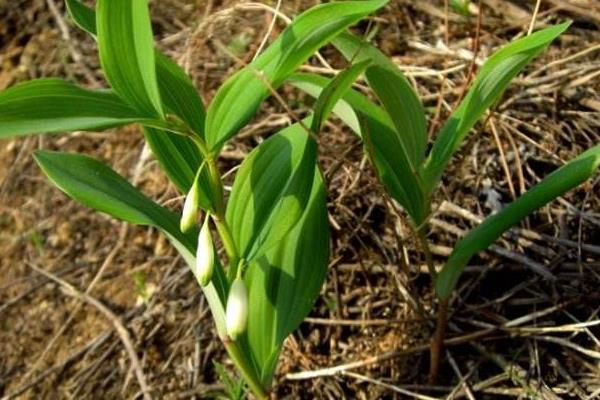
[513, 334]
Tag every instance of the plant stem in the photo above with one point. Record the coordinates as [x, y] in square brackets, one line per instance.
[218, 216]
[437, 342]
[428, 258]
[219, 207]
[217, 186]
[246, 370]
[229, 245]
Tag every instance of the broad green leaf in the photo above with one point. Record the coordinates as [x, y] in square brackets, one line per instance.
[240, 96]
[97, 186]
[271, 190]
[176, 89]
[54, 105]
[126, 49]
[554, 185]
[332, 93]
[381, 141]
[492, 80]
[396, 94]
[178, 94]
[177, 155]
[385, 150]
[284, 283]
[408, 117]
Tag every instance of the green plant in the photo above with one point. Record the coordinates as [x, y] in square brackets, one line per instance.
[395, 138]
[274, 224]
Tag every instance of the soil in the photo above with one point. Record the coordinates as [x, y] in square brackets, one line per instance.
[514, 334]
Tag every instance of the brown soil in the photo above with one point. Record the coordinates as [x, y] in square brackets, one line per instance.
[53, 347]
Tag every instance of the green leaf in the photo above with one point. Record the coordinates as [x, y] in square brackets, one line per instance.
[332, 93]
[284, 283]
[179, 95]
[54, 105]
[492, 80]
[554, 185]
[357, 49]
[176, 154]
[394, 169]
[395, 92]
[96, 185]
[408, 117]
[313, 85]
[381, 141]
[240, 96]
[126, 50]
[177, 92]
[271, 190]
[82, 15]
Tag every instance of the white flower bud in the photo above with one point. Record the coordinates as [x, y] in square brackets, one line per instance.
[236, 314]
[205, 255]
[190, 209]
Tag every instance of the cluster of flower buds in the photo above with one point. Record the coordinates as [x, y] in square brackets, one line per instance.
[236, 314]
[205, 253]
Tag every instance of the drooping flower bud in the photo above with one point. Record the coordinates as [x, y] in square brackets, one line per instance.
[236, 314]
[190, 208]
[205, 255]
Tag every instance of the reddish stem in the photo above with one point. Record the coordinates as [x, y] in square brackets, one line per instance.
[437, 341]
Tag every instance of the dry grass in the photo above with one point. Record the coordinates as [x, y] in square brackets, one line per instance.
[71, 279]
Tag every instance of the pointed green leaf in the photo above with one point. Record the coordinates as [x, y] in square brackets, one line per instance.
[332, 93]
[82, 15]
[408, 117]
[314, 85]
[96, 185]
[54, 105]
[381, 141]
[271, 190]
[176, 154]
[284, 283]
[492, 80]
[554, 185]
[126, 50]
[396, 94]
[239, 98]
[403, 183]
[177, 92]
[179, 95]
